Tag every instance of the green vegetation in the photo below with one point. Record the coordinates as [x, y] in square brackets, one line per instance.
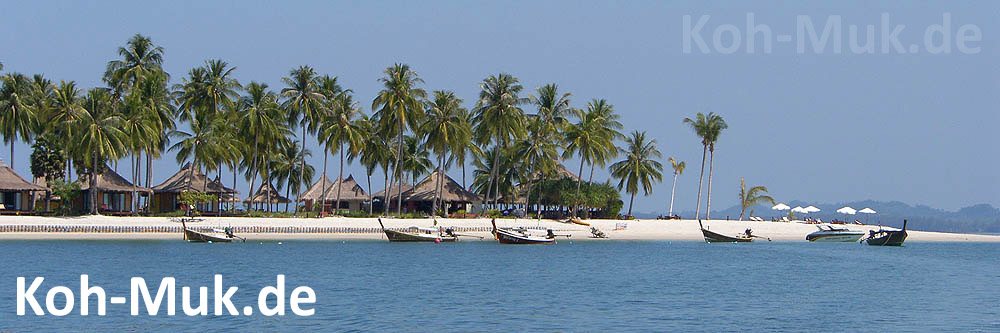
[708, 128]
[756, 195]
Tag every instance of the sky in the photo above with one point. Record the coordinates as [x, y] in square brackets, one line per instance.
[818, 126]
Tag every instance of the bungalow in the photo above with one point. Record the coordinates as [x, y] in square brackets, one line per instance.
[352, 196]
[114, 193]
[166, 196]
[420, 197]
[15, 192]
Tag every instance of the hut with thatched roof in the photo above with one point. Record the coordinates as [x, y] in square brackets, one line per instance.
[421, 196]
[166, 196]
[114, 192]
[352, 195]
[260, 198]
[15, 192]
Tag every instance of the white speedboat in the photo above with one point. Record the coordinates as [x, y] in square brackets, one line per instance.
[830, 233]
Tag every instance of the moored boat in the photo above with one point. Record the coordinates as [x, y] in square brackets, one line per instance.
[194, 236]
[885, 237]
[714, 237]
[521, 236]
[834, 234]
[417, 235]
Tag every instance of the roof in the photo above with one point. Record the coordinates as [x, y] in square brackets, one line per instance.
[179, 183]
[261, 196]
[349, 190]
[11, 181]
[424, 190]
[109, 181]
[381, 194]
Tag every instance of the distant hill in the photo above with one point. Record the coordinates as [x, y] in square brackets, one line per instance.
[981, 218]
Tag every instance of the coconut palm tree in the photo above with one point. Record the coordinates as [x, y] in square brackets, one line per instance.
[375, 152]
[139, 57]
[17, 117]
[678, 170]
[592, 138]
[287, 166]
[98, 137]
[260, 121]
[157, 102]
[539, 155]
[342, 127]
[717, 125]
[397, 106]
[139, 132]
[756, 195]
[499, 118]
[303, 102]
[639, 167]
[445, 126]
[66, 110]
[704, 126]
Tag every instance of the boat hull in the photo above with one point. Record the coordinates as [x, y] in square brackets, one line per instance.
[399, 236]
[505, 237]
[890, 238]
[842, 237]
[199, 237]
[712, 237]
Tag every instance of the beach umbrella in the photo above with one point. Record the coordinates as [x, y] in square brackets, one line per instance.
[798, 209]
[847, 210]
[811, 209]
[781, 206]
[867, 210]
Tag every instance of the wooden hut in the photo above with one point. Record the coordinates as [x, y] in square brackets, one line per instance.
[259, 199]
[352, 195]
[166, 196]
[114, 193]
[421, 196]
[15, 192]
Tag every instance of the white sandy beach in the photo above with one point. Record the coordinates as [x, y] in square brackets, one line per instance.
[633, 230]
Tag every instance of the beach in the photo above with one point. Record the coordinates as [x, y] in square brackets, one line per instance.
[342, 228]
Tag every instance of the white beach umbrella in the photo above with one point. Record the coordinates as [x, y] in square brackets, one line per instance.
[867, 210]
[847, 210]
[811, 209]
[781, 206]
[798, 209]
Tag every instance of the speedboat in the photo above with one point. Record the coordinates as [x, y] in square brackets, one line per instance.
[830, 233]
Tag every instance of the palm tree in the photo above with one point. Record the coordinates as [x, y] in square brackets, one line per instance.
[67, 110]
[17, 117]
[399, 105]
[416, 159]
[756, 195]
[139, 58]
[678, 170]
[287, 166]
[99, 136]
[538, 153]
[638, 167]
[592, 138]
[374, 152]
[303, 102]
[259, 119]
[157, 103]
[341, 127]
[707, 128]
[445, 126]
[498, 118]
[553, 109]
[139, 132]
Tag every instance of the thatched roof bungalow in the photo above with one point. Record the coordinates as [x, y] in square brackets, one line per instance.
[261, 196]
[352, 195]
[166, 195]
[421, 196]
[114, 192]
[15, 192]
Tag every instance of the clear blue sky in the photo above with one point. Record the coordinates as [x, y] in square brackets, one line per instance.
[815, 127]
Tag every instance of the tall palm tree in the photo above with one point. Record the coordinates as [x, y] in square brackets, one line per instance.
[139, 132]
[156, 101]
[756, 195]
[416, 159]
[539, 155]
[66, 110]
[259, 121]
[139, 57]
[98, 136]
[592, 138]
[716, 128]
[399, 105]
[303, 102]
[499, 118]
[287, 166]
[17, 117]
[704, 126]
[221, 90]
[639, 167]
[341, 127]
[553, 110]
[445, 126]
[678, 170]
[375, 152]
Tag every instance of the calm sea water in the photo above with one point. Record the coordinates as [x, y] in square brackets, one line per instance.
[572, 286]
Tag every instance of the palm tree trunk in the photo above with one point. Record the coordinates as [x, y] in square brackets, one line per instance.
[267, 182]
[589, 181]
[437, 191]
[672, 188]
[232, 200]
[322, 198]
[630, 200]
[579, 183]
[340, 178]
[302, 170]
[388, 190]
[254, 173]
[370, 208]
[93, 184]
[701, 177]
[135, 191]
[711, 163]
[398, 172]
[12, 154]
[190, 180]
[538, 213]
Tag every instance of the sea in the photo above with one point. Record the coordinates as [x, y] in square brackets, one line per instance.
[483, 286]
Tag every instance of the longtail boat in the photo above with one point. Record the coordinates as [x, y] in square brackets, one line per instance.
[884, 237]
[714, 237]
[419, 235]
[521, 236]
[195, 236]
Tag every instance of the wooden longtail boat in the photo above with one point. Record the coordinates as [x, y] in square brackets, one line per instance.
[194, 236]
[420, 235]
[714, 237]
[521, 236]
[883, 237]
